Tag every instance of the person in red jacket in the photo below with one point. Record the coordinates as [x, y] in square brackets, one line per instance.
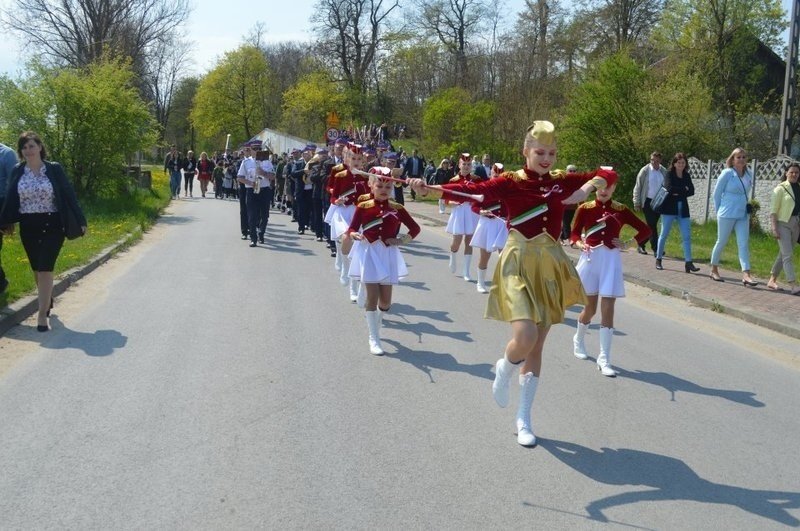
[534, 282]
[596, 231]
[463, 221]
[376, 260]
[205, 170]
[491, 233]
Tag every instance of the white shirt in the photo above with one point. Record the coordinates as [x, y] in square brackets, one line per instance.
[654, 181]
[266, 167]
[248, 171]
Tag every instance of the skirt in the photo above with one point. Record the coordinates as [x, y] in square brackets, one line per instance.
[42, 236]
[601, 272]
[490, 234]
[339, 218]
[462, 220]
[534, 280]
[375, 263]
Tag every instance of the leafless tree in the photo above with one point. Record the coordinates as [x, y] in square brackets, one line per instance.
[622, 24]
[166, 67]
[453, 23]
[77, 32]
[351, 31]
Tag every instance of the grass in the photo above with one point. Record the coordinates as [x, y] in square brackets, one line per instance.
[763, 248]
[109, 221]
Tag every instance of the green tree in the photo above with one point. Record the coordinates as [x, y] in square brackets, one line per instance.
[439, 116]
[233, 97]
[91, 119]
[306, 105]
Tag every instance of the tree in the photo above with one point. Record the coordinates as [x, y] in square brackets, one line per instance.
[306, 105]
[90, 118]
[233, 97]
[163, 76]
[79, 32]
[452, 22]
[351, 32]
[178, 129]
[622, 24]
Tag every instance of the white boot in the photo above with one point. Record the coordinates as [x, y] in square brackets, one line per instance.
[373, 323]
[354, 289]
[344, 274]
[453, 256]
[482, 281]
[467, 263]
[527, 390]
[604, 358]
[338, 262]
[441, 206]
[503, 370]
[361, 299]
[579, 349]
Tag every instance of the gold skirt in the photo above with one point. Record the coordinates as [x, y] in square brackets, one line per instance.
[534, 280]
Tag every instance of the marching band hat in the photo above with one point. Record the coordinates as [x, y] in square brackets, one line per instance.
[295, 150]
[382, 145]
[310, 147]
[465, 157]
[497, 167]
[368, 150]
[607, 173]
[322, 151]
[382, 171]
[391, 155]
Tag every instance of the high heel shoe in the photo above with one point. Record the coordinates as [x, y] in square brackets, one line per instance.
[716, 277]
[691, 268]
[749, 283]
[48, 310]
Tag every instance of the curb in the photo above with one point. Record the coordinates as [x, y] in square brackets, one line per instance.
[745, 314]
[21, 309]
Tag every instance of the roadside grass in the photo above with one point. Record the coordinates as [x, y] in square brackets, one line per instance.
[763, 249]
[110, 220]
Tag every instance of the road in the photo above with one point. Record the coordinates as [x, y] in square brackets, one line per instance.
[196, 383]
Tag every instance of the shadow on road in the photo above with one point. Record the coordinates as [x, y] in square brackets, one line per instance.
[421, 329]
[169, 219]
[407, 309]
[426, 361]
[669, 479]
[98, 343]
[674, 384]
[415, 285]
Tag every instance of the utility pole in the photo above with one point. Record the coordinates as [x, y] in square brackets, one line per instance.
[790, 83]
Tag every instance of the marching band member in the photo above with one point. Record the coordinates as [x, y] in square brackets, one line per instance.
[376, 260]
[463, 220]
[344, 188]
[600, 265]
[534, 282]
[491, 233]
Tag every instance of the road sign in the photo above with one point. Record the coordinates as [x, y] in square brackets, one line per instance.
[332, 133]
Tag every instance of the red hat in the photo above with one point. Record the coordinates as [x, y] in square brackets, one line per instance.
[465, 157]
[382, 171]
[355, 148]
[607, 173]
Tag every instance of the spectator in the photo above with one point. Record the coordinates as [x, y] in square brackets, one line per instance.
[733, 214]
[648, 182]
[785, 220]
[679, 187]
[7, 162]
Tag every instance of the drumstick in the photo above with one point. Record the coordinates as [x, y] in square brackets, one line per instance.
[478, 198]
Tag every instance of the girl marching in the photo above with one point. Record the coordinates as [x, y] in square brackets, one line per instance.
[463, 221]
[376, 260]
[491, 233]
[534, 281]
[344, 188]
[600, 265]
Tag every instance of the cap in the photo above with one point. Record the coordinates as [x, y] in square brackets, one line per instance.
[608, 174]
[368, 150]
[383, 171]
[382, 145]
[391, 155]
[322, 151]
[310, 147]
[254, 144]
[497, 167]
[465, 157]
[295, 150]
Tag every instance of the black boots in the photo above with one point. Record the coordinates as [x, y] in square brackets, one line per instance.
[691, 268]
[658, 264]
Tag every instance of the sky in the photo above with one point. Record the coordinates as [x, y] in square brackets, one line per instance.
[285, 20]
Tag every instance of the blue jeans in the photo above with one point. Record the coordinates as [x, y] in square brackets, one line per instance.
[724, 228]
[175, 182]
[685, 225]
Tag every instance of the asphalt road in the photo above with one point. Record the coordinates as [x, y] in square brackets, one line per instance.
[196, 383]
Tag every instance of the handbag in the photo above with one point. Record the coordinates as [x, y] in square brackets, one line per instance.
[748, 208]
[658, 200]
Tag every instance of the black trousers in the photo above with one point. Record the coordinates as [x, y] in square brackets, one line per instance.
[652, 221]
[257, 213]
[316, 217]
[398, 194]
[566, 223]
[302, 208]
[243, 209]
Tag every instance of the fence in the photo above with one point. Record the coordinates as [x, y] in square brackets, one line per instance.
[766, 176]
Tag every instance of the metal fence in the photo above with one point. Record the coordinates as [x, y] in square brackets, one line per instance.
[766, 176]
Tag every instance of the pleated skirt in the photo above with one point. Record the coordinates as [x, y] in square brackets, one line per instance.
[376, 263]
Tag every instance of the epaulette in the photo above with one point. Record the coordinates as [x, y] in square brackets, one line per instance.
[617, 206]
[395, 205]
[340, 174]
[339, 167]
[517, 176]
[454, 179]
[367, 204]
[558, 174]
[588, 204]
[363, 197]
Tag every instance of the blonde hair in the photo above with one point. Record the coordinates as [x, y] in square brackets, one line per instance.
[729, 160]
[541, 131]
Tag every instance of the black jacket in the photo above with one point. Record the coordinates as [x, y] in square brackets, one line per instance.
[62, 189]
[678, 190]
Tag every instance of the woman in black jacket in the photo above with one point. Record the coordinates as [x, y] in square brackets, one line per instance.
[679, 187]
[40, 199]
